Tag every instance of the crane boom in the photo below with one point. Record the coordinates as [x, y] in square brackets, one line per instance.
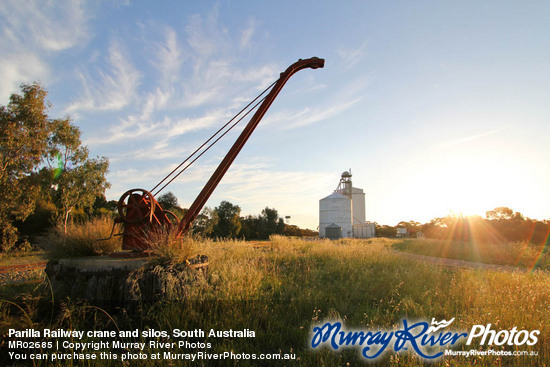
[216, 177]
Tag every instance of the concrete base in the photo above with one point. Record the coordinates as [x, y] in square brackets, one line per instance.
[119, 280]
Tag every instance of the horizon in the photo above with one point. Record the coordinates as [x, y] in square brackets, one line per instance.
[436, 108]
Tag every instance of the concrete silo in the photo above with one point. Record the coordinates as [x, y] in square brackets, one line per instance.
[335, 209]
[348, 214]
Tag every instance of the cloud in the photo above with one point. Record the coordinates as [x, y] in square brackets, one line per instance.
[160, 132]
[197, 68]
[110, 89]
[324, 113]
[352, 56]
[255, 185]
[52, 26]
[32, 35]
[289, 119]
[472, 137]
[205, 36]
[20, 68]
[247, 33]
[170, 58]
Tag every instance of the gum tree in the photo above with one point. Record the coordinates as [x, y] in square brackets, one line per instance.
[42, 157]
[24, 131]
[74, 179]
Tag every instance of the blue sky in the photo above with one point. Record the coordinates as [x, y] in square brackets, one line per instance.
[437, 107]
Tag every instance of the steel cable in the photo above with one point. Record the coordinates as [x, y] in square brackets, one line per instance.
[210, 139]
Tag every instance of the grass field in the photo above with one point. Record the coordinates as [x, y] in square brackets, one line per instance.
[283, 290]
[521, 254]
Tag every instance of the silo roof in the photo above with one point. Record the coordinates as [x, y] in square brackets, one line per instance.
[336, 195]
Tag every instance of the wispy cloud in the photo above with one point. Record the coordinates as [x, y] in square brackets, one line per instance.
[323, 113]
[352, 56]
[111, 88]
[289, 119]
[157, 132]
[170, 58]
[472, 137]
[246, 35]
[32, 34]
[52, 26]
[208, 84]
[205, 35]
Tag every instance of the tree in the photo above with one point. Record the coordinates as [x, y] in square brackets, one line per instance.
[250, 227]
[385, 230]
[74, 180]
[24, 131]
[229, 224]
[168, 200]
[42, 158]
[80, 185]
[411, 226]
[499, 213]
[102, 207]
[205, 222]
[270, 223]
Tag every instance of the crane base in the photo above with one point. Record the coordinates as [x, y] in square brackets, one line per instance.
[119, 281]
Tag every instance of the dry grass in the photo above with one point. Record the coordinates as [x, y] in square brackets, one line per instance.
[521, 254]
[281, 291]
[81, 239]
[168, 248]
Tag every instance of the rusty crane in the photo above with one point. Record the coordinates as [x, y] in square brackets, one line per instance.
[140, 212]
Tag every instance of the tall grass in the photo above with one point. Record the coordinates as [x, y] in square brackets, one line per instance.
[81, 239]
[522, 254]
[282, 290]
[167, 247]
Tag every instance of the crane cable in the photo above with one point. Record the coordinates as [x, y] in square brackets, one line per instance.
[210, 139]
[207, 148]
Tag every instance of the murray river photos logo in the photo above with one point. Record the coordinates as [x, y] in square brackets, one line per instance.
[429, 341]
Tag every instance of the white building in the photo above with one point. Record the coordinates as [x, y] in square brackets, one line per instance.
[345, 208]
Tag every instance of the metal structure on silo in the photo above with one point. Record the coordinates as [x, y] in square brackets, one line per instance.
[335, 209]
[345, 186]
[357, 196]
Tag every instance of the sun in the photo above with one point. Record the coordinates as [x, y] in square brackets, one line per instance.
[462, 184]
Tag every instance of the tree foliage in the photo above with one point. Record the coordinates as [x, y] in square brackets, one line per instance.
[262, 226]
[169, 201]
[42, 158]
[24, 131]
[70, 177]
[206, 222]
[229, 222]
[501, 224]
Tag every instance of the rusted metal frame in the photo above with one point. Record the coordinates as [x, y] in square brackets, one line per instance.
[216, 177]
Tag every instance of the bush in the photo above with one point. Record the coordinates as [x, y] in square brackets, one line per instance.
[81, 239]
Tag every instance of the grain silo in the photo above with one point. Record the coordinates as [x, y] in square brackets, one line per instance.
[335, 209]
[348, 214]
